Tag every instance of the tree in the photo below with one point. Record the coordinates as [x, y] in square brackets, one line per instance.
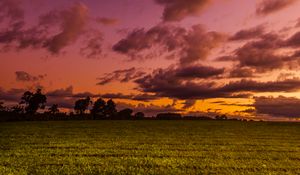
[33, 101]
[139, 115]
[110, 109]
[222, 117]
[18, 109]
[53, 109]
[168, 116]
[99, 107]
[2, 108]
[82, 105]
[125, 114]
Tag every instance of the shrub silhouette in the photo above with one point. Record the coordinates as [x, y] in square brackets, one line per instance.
[125, 114]
[139, 116]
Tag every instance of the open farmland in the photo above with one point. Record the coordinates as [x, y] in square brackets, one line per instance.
[150, 147]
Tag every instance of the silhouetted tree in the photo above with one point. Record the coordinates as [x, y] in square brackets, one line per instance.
[125, 114]
[53, 109]
[168, 116]
[139, 116]
[82, 105]
[33, 101]
[110, 109]
[98, 108]
[2, 108]
[18, 109]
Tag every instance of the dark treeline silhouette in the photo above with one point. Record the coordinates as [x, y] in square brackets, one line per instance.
[84, 109]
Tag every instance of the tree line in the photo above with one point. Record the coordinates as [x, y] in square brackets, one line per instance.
[32, 102]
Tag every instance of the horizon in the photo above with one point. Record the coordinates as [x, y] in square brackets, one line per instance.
[197, 57]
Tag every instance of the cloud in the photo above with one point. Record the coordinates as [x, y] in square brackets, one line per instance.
[93, 45]
[107, 21]
[12, 95]
[72, 24]
[140, 40]
[278, 106]
[298, 23]
[165, 83]
[167, 40]
[11, 15]
[266, 7]
[26, 77]
[244, 85]
[54, 31]
[11, 10]
[246, 34]
[198, 44]
[124, 75]
[67, 92]
[265, 54]
[293, 41]
[191, 72]
[262, 60]
[189, 103]
[177, 10]
[239, 72]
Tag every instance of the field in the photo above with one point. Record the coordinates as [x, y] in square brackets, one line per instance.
[149, 147]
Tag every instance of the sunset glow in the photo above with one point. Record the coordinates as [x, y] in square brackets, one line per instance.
[195, 57]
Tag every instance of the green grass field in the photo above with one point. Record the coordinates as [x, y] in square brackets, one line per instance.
[150, 147]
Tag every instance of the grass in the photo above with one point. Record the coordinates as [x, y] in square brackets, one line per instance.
[149, 147]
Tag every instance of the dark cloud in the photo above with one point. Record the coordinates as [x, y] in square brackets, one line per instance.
[247, 34]
[198, 71]
[239, 72]
[141, 40]
[11, 15]
[11, 10]
[278, 106]
[189, 103]
[198, 44]
[26, 77]
[176, 10]
[262, 55]
[124, 75]
[244, 85]
[266, 7]
[67, 92]
[293, 41]
[262, 60]
[144, 97]
[163, 83]
[137, 97]
[93, 45]
[189, 45]
[12, 95]
[107, 21]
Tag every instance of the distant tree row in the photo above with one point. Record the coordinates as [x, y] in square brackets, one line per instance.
[31, 102]
[100, 109]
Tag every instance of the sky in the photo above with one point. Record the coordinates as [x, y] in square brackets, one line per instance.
[195, 57]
